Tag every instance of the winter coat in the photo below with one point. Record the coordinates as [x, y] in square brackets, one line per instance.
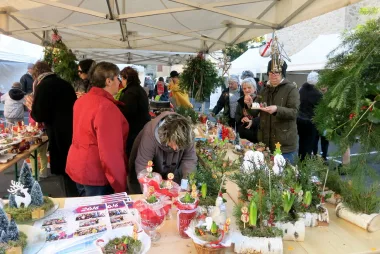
[135, 110]
[281, 126]
[165, 160]
[53, 105]
[224, 103]
[97, 154]
[14, 103]
[82, 85]
[242, 111]
[27, 83]
[181, 98]
[309, 98]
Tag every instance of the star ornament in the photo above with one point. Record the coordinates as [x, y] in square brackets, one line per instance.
[278, 145]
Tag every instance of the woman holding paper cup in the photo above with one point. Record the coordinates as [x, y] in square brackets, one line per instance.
[247, 124]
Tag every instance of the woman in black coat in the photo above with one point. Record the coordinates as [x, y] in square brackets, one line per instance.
[53, 103]
[136, 104]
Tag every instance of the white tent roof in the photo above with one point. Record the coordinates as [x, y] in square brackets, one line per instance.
[312, 57]
[19, 51]
[158, 25]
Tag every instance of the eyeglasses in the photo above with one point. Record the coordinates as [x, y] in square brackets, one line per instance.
[275, 72]
[80, 71]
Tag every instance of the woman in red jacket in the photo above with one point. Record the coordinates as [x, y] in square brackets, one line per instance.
[97, 160]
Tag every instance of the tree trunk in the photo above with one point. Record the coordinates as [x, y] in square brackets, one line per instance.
[369, 222]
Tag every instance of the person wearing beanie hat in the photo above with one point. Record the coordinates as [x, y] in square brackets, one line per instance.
[82, 85]
[14, 104]
[27, 80]
[309, 98]
[228, 100]
[179, 98]
[278, 116]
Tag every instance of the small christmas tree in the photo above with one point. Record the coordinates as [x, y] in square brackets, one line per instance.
[36, 195]
[12, 201]
[3, 221]
[277, 151]
[4, 237]
[26, 177]
[12, 231]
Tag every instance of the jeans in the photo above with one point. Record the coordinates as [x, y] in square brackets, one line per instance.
[324, 146]
[290, 157]
[88, 191]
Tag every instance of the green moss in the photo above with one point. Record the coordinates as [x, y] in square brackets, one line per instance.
[25, 214]
[208, 201]
[133, 246]
[20, 242]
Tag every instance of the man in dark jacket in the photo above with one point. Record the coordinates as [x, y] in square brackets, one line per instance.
[27, 80]
[53, 104]
[309, 97]
[228, 100]
[278, 119]
[168, 141]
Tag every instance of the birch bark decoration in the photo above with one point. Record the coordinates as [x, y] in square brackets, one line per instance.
[293, 231]
[369, 222]
[263, 245]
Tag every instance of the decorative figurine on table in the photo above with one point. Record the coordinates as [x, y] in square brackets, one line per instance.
[279, 160]
[169, 183]
[26, 201]
[245, 215]
[194, 191]
[226, 227]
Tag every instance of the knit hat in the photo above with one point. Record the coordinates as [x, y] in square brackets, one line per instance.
[312, 78]
[233, 78]
[247, 74]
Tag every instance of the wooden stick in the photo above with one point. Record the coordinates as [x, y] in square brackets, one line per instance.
[324, 185]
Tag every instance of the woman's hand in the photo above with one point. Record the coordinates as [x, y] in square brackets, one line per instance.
[249, 124]
[270, 109]
[245, 120]
[29, 101]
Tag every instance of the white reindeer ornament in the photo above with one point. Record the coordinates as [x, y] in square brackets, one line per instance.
[17, 186]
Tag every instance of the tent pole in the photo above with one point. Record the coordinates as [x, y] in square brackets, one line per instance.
[4, 22]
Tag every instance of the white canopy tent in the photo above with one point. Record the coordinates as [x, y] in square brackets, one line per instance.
[91, 27]
[312, 57]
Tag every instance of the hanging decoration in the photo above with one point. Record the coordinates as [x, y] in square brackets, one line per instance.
[60, 58]
[200, 77]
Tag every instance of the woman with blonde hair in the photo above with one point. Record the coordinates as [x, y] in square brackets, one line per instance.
[180, 98]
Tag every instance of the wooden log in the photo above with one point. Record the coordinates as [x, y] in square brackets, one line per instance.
[315, 219]
[263, 245]
[293, 231]
[369, 222]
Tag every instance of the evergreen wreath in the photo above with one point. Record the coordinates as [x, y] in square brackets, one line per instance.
[200, 77]
[60, 58]
[350, 109]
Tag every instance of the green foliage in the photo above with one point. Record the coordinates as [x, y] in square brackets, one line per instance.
[26, 177]
[3, 221]
[134, 246]
[12, 231]
[188, 113]
[350, 108]
[61, 58]
[369, 10]
[236, 50]
[12, 200]
[22, 214]
[22, 241]
[199, 76]
[36, 195]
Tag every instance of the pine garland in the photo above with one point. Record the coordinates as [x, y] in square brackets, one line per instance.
[200, 77]
[61, 58]
[351, 106]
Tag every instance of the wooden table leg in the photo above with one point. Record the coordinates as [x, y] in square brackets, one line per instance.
[16, 174]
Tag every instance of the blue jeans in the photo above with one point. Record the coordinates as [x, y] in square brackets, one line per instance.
[290, 157]
[88, 191]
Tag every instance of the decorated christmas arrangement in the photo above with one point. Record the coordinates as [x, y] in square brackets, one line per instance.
[153, 210]
[213, 168]
[187, 210]
[130, 240]
[11, 239]
[146, 176]
[26, 201]
[60, 58]
[276, 199]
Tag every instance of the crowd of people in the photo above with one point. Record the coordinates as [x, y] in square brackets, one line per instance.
[101, 135]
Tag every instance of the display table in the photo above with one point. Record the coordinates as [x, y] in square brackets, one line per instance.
[24, 155]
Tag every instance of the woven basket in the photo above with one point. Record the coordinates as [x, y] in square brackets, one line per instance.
[207, 250]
